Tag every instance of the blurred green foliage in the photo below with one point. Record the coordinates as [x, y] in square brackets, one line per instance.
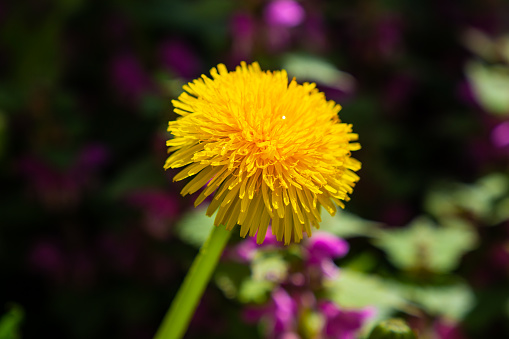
[85, 98]
[422, 245]
[10, 323]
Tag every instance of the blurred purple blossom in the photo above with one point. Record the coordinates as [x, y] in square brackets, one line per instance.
[321, 249]
[446, 329]
[315, 33]
[47, 258]
[118, 28]
[499, 256]
[91, 158]
[206, 319]
[324, 245]
[287, 13]
[159, 209]
[120, 250]
[278, 38]
[396, 213]
[295, 296]
[343, 324]
[379, 39]
[466, 94]
[243, 251]
[397, 92]
[280, 17]
[59, 187]
[388, 35]
[246, 249]
[243, 31]
[500, 135]
[53, 187]
[178, 57]
[128, 77]
[280, 314]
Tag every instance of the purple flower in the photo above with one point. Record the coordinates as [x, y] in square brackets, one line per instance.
[281, 16]
[326, 245]
[287, 13]
[280, 314]
[179, 58]
[397, 92]
[388, 33]
[121, 251]
[500, 135]
[322, 248]
[343, 324]
[92, 157]
[315, 33]
[158, 207]
[285, 311]
[53, 187]
[447, 330]
[62, 187]
[47, 258]
[128, 77]
[243, 31]
[246, 249]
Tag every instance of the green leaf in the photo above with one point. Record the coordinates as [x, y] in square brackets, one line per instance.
[345, 225]
[501, 211]
[10, 323]
[255, 291]
[269, 266]
[452, 301]
[311, 68]
[195, 226]
[355, 290]
[424, 245]
[229, 276]
[392, 329]
[503, 44]
[311, 323]
[490, 85]
[480, 199]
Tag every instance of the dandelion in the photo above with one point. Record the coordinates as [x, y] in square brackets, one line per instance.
[273, 151]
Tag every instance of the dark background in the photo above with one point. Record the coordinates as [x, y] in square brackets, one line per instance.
[88, 247]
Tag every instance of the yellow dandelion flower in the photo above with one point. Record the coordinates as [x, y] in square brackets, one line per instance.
[270, 150]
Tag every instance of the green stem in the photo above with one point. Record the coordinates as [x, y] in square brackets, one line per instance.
[179, 315]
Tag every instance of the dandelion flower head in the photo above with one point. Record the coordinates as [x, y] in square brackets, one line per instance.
[273, 151]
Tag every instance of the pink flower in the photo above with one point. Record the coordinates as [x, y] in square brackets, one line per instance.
[62, 187]
[243, 30]
[47, 258]
[322, 248]
[179, 58]
[246, 249]
[343, 324]
[128, 77]
[500, 135]
[286, 13]
[280, 314]
[447, 330]
[158, 208]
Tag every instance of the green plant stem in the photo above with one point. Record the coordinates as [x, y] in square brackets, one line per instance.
[182, 308]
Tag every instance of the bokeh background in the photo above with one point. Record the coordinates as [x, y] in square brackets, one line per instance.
[95, 238]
